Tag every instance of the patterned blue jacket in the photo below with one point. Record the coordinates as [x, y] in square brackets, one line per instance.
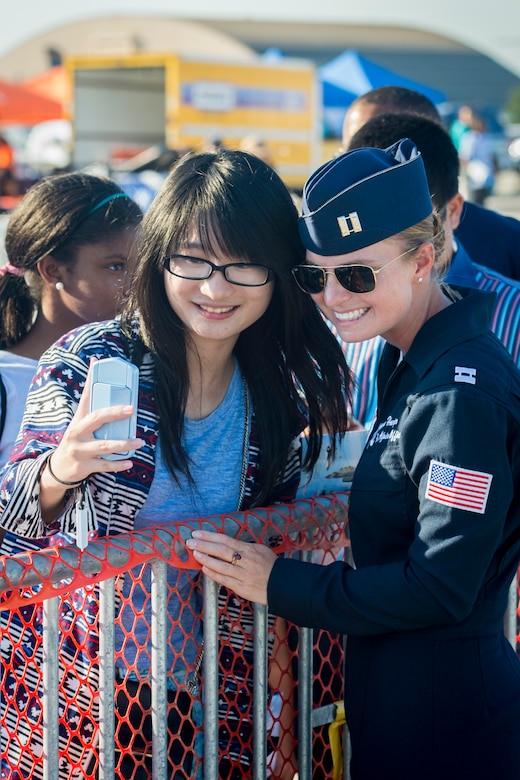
[113, 499]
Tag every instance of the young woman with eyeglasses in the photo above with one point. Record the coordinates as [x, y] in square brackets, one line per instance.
[432, 685]
[234, 363]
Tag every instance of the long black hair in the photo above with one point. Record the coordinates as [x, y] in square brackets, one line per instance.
[239, 207]
[57, 215]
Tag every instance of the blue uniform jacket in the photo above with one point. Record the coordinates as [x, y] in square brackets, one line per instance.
[492, 239]
[426, 563]
[432, 687]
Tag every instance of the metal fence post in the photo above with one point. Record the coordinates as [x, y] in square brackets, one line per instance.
[305, 696]
[210, 666]
[50, 689]
[158, 671]
[106, 679]
[512, 605]
[260, 692]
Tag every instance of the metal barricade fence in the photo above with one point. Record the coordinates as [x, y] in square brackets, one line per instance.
[61, 609]
[51, 733]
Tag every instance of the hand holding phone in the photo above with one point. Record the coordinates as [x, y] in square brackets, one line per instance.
[115, 382]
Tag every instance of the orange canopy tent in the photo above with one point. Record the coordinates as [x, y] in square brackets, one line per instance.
[20, 106]
[53, 83]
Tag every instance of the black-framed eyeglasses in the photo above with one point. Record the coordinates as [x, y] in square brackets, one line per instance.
[243, 274]
[354, 278]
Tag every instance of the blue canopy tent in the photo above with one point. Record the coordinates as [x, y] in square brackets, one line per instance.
[349, 75]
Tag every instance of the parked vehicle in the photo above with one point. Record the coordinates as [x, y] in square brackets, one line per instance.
[123, 106]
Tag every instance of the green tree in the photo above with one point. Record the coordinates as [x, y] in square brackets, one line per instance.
[513, 106]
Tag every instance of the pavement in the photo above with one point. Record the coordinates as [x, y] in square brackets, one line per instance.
[506, 194]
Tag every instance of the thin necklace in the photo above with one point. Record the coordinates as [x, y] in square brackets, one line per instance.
[245, 447]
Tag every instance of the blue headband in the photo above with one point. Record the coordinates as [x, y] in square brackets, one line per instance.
[362, 197]
[107, 200]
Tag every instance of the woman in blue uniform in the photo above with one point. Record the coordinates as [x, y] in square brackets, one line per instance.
[432, 685]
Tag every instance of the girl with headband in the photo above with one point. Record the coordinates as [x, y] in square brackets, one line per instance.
[70, 249]
[70, 259]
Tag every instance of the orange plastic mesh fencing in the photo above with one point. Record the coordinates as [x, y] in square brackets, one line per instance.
[28, 578]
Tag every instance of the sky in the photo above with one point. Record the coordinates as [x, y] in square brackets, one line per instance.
[494, 32]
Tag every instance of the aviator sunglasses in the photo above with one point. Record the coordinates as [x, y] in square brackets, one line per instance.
[354, 278]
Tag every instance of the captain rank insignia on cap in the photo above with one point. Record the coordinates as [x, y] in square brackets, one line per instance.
[349, 224]
[369, 194]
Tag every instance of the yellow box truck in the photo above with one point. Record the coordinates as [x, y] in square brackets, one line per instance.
[124, 104]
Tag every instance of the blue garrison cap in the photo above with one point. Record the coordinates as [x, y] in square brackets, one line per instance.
[362, 197]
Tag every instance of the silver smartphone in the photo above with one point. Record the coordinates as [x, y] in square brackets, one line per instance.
[114, 382]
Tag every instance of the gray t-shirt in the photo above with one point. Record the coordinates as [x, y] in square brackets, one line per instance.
[215, 448]
[17, 373]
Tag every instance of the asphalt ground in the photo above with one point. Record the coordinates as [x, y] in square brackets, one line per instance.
[506, 194]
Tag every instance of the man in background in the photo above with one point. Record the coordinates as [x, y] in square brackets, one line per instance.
[441, 163]
[490, 238]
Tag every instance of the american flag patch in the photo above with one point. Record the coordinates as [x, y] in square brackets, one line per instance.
[459, 488]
